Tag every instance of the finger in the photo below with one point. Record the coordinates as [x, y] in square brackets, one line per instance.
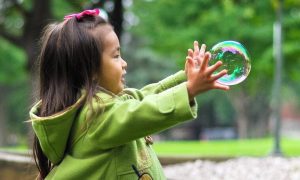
[190, 53]
[197, 62]
[218, 75]
[186, 67]
[204, 64]
[221, 87]
[213, 68]
[196, 48]
[202, 50]
[190, 62]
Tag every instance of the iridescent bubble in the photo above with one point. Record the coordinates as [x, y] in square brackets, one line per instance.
[235, 59]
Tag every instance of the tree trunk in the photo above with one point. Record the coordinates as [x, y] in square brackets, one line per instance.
[35, 21]
[3, 117]
[242, 124]
[115, 16]
[259, 120]
[239, 102]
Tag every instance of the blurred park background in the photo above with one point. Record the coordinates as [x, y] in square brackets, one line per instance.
[155, 36]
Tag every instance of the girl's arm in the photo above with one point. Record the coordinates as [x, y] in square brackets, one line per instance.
[155, 88]
[128, 119]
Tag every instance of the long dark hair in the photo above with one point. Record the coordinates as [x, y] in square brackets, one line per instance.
[69, 62]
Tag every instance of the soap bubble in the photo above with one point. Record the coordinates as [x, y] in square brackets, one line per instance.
[235, 59]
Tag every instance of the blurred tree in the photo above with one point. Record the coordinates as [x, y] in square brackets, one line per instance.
[170, 27]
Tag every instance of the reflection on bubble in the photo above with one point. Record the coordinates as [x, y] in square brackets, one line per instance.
[235, 59]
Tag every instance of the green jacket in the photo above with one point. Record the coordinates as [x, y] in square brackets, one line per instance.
[104, 142]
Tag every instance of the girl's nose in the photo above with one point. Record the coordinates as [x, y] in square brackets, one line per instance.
[124, 64]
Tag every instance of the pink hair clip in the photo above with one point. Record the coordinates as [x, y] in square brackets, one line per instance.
[78, 16]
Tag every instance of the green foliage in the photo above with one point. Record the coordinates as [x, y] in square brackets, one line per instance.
[12, 64]
[170, 27]
[13, 22]
[292, 44]
[14, 77]
[18, 108]
[205, 21]
[61, 8]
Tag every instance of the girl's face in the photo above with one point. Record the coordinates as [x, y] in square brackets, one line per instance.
[113, 67]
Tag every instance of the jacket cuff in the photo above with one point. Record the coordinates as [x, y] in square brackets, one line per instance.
[182, 98]
[177, 99]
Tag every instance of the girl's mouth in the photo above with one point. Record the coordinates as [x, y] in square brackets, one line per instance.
[123, 79]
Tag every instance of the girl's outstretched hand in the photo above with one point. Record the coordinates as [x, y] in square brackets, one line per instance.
[200, 76]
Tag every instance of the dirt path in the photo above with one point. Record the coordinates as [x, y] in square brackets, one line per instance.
[16, 166]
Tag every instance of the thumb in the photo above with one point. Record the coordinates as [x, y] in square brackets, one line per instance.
[190, 62]
[186, 66]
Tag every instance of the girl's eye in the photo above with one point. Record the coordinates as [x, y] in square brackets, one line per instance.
[117, 56]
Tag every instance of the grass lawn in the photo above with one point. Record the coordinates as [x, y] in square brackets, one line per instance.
[226, 148]
[16, 149]
[223, 148]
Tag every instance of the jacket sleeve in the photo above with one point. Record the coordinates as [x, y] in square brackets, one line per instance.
[130, 119]
[162, 85]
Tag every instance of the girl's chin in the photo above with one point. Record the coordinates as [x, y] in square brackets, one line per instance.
[123, 82]
[121, 88]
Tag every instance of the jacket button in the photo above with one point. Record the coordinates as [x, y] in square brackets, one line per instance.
[149, 140]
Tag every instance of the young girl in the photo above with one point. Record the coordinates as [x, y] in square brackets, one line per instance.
[87, 126]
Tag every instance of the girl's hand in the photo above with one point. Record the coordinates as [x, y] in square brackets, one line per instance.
[200, 76]
[196, 54]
